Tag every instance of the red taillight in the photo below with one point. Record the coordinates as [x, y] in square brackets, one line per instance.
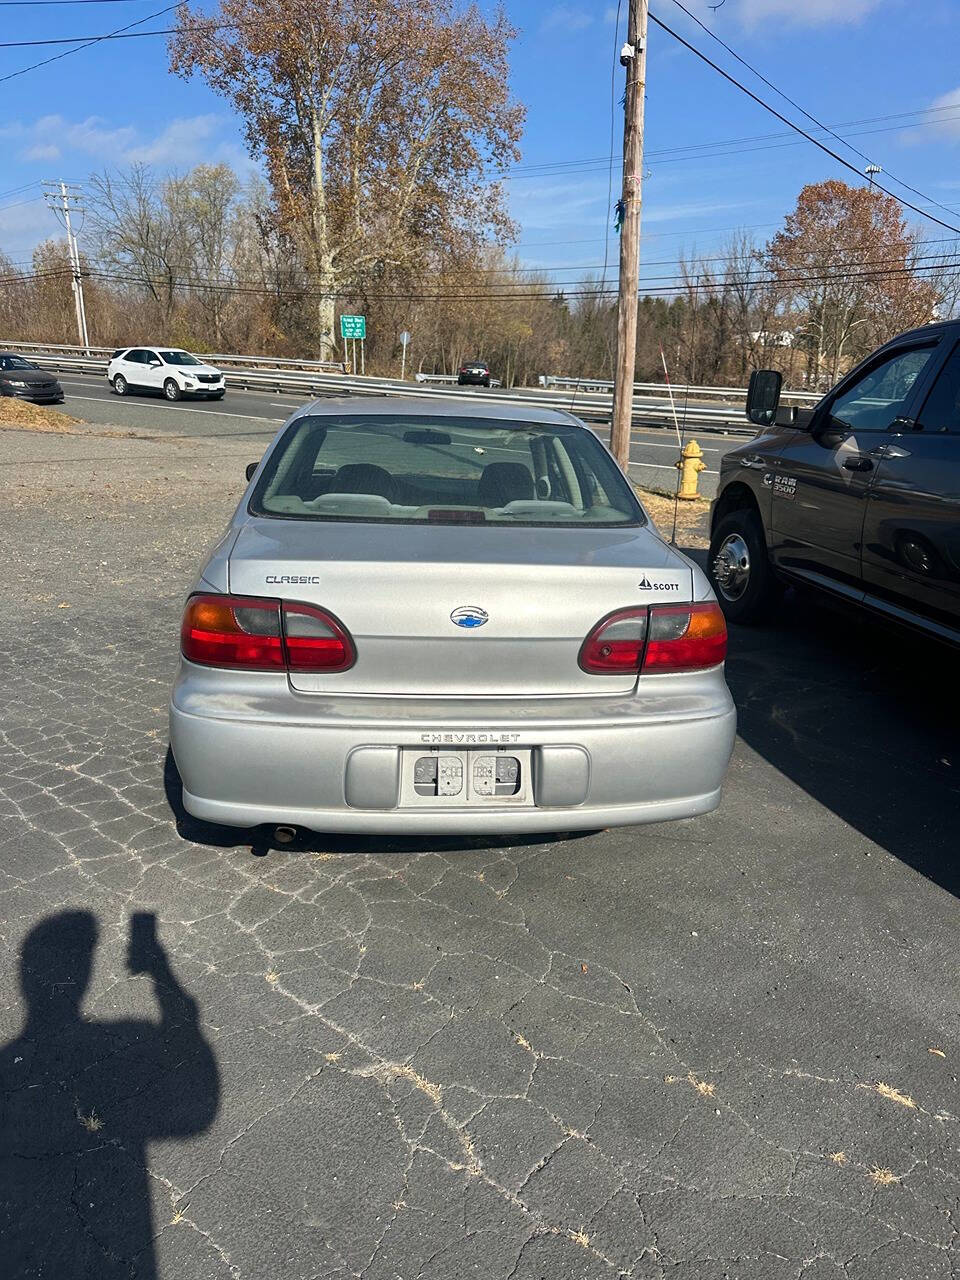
[616, 643]
[671, 637]
[247, 632]
[233, 631]
[315, 640]
[685, 637]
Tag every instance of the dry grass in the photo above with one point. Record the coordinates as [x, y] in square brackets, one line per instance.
[882, 1177]
[692, 517]
[838, 1157]
[20, 415]
[893, 1095]
[92, 1123]
[703, 1087]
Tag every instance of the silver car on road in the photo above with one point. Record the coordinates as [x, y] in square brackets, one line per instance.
[447, 619]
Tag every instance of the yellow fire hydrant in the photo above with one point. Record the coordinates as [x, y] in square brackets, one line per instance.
[690, 465]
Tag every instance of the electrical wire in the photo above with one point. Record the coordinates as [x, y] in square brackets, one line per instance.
[22, 71]
[879, 272]
[791, 124]
[804, 112]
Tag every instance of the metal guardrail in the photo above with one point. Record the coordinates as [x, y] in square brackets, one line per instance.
[680, 390]
[310, 378]
[218, 358]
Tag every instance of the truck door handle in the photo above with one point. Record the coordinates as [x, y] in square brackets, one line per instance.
[858, 463]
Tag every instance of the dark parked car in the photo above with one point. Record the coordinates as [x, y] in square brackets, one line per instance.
[859, 497]
[474, 373]
[21, 378]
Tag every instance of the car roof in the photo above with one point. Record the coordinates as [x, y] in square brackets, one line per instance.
[448, 407]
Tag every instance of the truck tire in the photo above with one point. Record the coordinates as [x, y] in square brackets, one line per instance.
[740, 568]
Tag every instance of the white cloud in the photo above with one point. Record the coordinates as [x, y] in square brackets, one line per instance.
[943, 122]
[807, 13]
[180, 144]
[42, 151]
[565, 17]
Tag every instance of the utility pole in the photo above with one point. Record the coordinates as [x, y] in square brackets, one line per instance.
[71, 200]
[633, 55]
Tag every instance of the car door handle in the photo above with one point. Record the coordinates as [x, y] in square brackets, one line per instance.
[752, 460]
[859, 462]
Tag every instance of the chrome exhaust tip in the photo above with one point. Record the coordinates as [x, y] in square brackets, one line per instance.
[285, 835]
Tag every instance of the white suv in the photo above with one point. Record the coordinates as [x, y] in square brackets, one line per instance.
[173, 372]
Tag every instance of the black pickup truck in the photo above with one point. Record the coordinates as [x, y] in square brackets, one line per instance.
[859, 497]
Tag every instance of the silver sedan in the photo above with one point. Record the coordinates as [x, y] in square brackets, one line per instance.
[450, 619]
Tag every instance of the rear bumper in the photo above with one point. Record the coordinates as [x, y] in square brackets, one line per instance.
[250, 751]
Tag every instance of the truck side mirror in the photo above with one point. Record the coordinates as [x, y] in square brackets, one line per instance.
[763, 396]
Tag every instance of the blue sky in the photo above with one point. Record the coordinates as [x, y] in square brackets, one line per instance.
[845, 60]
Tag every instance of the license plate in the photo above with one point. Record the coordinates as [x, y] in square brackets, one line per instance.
[453, 779]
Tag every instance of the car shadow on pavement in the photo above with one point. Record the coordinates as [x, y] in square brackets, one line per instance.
[864, 719]
[261, 840]
[80, 1099]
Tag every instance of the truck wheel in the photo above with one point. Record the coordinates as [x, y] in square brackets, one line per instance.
[740, 569]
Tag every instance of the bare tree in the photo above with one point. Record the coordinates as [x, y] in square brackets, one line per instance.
[381, 124]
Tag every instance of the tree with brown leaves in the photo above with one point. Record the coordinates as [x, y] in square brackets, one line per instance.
[846, 260]
[382, 125]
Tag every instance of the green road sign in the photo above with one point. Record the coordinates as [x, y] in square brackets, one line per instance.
[353, 327]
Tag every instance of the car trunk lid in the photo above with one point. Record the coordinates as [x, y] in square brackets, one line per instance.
[398, 590]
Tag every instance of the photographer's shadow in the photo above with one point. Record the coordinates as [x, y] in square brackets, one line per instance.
[80, 1100]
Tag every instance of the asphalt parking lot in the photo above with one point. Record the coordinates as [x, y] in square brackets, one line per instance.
[721, 1048]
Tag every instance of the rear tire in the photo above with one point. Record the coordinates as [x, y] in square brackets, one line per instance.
[171, 389]
[120, 385]
[740, 568]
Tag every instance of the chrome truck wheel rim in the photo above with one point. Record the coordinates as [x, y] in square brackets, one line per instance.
[731, 567]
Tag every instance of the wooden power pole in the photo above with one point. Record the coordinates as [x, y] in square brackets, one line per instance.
[634, 58]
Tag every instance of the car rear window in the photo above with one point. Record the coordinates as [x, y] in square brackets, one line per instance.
[422, 470]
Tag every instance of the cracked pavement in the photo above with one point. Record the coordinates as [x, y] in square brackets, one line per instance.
[720, 1048]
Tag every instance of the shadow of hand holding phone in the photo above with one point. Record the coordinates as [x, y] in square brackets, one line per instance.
[80, 1099]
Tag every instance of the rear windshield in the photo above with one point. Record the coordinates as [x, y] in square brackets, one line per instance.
[424, 470]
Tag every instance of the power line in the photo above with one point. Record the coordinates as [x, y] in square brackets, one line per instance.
[759, 274]
[790, 123]
[803, 111]
[45, 62]
[123, 33]
[696, 150]
[33, 4]
[881, 269]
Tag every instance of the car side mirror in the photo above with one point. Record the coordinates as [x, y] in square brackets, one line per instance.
[763, 396]
[155, 364]
[250, 469]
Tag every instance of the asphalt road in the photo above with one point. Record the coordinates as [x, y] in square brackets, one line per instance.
[727, 1047]
[258, 414]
